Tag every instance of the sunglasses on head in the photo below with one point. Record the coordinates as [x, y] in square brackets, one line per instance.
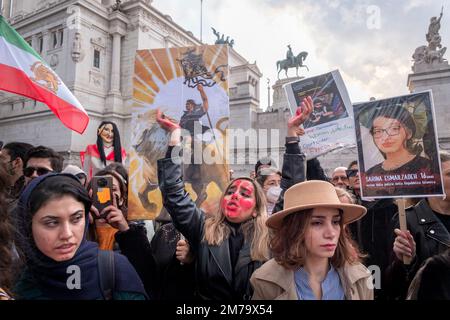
[28, 171]
[351, 172]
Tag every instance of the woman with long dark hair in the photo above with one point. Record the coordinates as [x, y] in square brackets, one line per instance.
[6, 255]
[108, 149]
[59, 263]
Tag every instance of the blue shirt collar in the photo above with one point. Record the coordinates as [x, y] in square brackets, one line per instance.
[331, 286]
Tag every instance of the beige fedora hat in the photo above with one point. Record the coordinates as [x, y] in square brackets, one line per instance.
[314, 194]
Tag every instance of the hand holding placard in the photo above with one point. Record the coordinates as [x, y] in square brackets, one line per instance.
[404, 244]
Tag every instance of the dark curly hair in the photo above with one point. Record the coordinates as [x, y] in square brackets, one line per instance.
[56, 160]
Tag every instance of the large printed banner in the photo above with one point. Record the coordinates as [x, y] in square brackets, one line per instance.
[330, 125]
[190, 86]
[397, 147]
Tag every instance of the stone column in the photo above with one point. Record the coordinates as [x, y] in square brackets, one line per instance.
[437, 78]
[115, 67]
[45, 42]
[280, 100]
[117, 28]
[35, 43]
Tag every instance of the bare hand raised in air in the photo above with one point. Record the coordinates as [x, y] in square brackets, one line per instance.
[301, 115]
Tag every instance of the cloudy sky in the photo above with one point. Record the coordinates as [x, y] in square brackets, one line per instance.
[370, 41]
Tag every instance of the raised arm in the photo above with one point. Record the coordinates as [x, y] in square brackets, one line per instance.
[204, 97]
[187, 218]
[294, 161]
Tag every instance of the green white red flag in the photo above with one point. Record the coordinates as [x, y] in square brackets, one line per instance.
[23, 72]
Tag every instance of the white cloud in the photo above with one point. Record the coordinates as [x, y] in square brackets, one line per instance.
[413, 4]
[373, 62]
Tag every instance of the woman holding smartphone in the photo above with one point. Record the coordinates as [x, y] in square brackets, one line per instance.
[107, 216]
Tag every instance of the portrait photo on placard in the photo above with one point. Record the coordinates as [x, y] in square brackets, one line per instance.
[397, 147]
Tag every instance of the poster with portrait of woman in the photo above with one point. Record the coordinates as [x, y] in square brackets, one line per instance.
[397, 147]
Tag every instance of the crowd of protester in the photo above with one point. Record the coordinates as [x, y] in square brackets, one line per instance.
[292, 234]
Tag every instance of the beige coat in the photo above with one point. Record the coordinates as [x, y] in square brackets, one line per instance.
[274, 282]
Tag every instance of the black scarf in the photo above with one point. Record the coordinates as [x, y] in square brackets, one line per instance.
[51, 276]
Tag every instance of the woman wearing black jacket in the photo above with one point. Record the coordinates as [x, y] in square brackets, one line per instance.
[164, 264]
[232, 243]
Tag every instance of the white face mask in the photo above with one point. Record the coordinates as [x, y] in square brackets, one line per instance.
[273, 194]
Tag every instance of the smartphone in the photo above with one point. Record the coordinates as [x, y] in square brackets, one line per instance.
[102, 192]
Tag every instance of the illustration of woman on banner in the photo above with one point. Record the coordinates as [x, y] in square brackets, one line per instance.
[393, 130]
[108, 149]
[189, 86]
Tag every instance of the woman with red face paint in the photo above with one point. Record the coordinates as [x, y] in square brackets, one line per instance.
[232, 243]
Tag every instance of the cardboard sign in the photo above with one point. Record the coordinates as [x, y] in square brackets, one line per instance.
[397, 147]
[330, 125]
[190, 86]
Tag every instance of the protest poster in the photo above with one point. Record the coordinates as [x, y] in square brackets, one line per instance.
[190, 86]
[397, 147]
[330, 125]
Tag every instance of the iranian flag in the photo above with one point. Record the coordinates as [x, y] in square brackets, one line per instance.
[22, 71]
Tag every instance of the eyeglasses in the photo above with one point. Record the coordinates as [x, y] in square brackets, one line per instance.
[337, 178]
[28, 171]
[391, 131]
[351, 172]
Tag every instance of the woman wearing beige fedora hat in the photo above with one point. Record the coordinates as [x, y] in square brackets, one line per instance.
[233, 242]
[313, 257]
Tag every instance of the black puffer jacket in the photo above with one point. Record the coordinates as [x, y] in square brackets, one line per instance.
[214, 272]
[431, 238]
